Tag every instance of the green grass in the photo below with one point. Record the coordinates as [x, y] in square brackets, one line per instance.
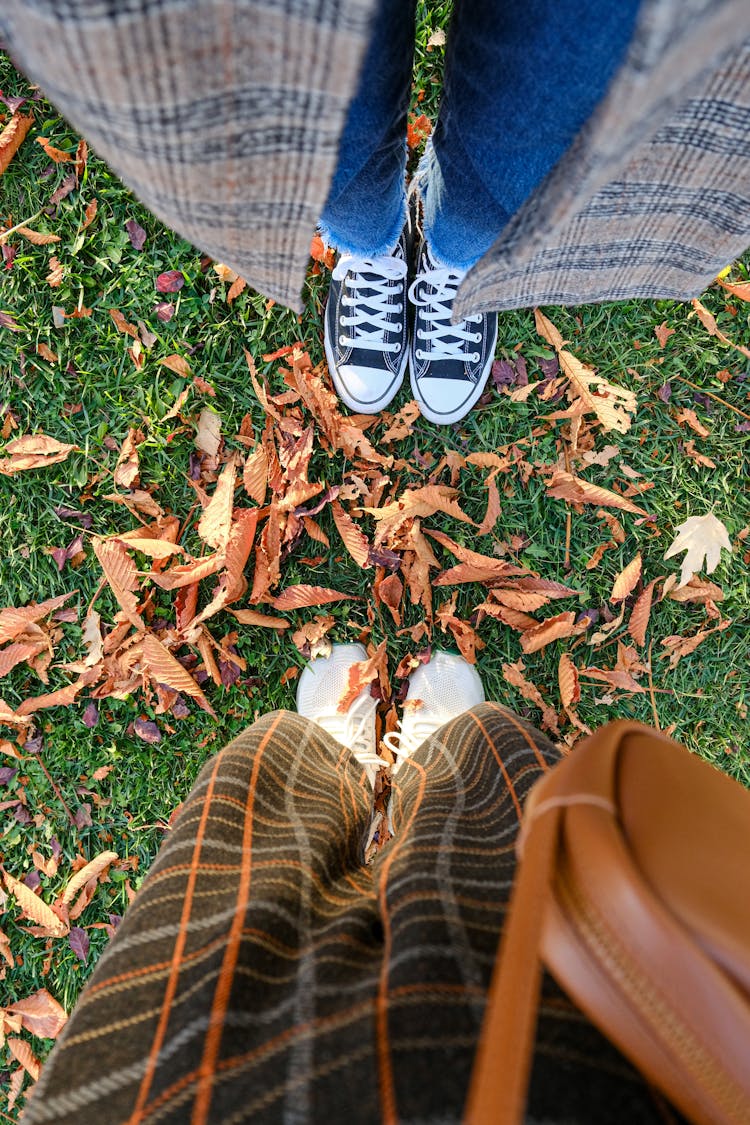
[94, 394]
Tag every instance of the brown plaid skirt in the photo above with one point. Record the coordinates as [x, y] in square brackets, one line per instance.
[265, 973]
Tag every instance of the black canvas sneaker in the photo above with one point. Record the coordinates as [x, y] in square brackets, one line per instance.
[449, 364]
[366, 328]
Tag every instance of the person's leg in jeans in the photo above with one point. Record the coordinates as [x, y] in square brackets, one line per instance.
[521, 79]
[366, 330]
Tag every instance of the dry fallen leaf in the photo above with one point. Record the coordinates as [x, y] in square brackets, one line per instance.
[12, 138]
[32, 907]
[703, 538]
[41, 1015]
[33, 451]
[627, 580]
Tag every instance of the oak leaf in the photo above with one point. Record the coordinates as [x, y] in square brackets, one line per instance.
[703, 538]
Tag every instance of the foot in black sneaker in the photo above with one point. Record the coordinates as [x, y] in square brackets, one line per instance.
[449, 364]
[366, 328]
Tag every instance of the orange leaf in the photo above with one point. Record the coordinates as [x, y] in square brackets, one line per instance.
[691, 418]
[89, 214]
[354, 539]
[237, 552]
[297, 597]
[264, 620]
[639, 618]
[709, 323]
[12, 138]
[553, 629]
[567, 678]
[627, 580]
[178, 364]
[16, 654]
[57, 154]
[390, 591]
[127, 468]
[315, 531]
[575, 490]
[41, 1015]
[165, 669]
[235, 289]
[663, 332]
[184, 574]
[63, 697]
[21, 1051]
[34, 908]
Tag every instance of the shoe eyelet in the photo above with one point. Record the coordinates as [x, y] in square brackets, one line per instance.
[475, 357]
[419, 353]
[421, 335]
[398, 348]
[477, 337]
[399, 308]
[477, 318]
[342, 339]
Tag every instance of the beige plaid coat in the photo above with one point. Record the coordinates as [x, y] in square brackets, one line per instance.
[224, 117]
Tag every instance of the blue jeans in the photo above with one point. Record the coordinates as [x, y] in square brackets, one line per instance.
[521, 79]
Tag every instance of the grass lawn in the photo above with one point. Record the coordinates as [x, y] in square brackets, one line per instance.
[78, 781]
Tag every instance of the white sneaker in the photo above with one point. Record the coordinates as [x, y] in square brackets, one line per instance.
[321, 685]
[438, 692]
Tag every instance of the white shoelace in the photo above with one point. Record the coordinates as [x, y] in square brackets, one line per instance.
[354, 728]
[371, 301]
[446, 340]
[403, 743]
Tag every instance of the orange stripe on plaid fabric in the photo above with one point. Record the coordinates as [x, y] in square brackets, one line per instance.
[176, 961]
[225, 980]
[524, 734]
[385, 1064]
[499, 760]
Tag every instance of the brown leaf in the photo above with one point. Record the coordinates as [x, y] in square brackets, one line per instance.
[575, 490]
[122, 325]
[185, 574]
[121, 574]
[37, 238]
[41, 1015]
[127, 468]
[208, 435]
[17, 653]
[12, 138]
[63, 697]
[366, 672]
[627, 580]
[21, 1051]
[33, 451]
[677, 646]
[178, 364]
[691, 419]
[353, 538]
[663, 332]
[58, 155]
[89, 214]
[166, 670]
[34, 908]
[567, 678]
[401, 425]
[56, 272]
[697, 590]
[513, 674]
[639, 618]
[315, 531]
[14, 621]
[613, 405]
[297, 597]
[420, 502]
[709, 323]
[216, 521]
[493, 507]
[389, 592]
[92, 870]
[499, 567]
[263, 620]
[553, 629]
[241, 537]
[235, 289]
[255, 474]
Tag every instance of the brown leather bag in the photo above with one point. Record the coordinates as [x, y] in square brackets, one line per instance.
[634, 890]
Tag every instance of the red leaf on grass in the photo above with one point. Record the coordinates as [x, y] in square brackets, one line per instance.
[170, 282]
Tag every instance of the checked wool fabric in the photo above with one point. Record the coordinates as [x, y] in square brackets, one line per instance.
[264, 973]
[224, 117]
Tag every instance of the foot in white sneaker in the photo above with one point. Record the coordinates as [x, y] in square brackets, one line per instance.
[366, 328]
[438, 692]
[449, 364]
[321, 686]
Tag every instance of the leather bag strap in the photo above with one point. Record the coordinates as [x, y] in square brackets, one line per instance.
[497, 1093]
